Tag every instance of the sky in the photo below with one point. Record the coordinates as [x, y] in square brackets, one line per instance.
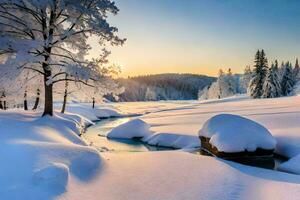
[202, 36]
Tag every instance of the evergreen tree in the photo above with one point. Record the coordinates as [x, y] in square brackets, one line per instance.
[221, 83]
[287, 82]
[259, 74]
[281, 70]
[276, 67]
[271, 87]
[296, 72]
[230, 83]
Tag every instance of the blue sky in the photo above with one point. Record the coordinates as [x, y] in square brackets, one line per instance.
[201, 36]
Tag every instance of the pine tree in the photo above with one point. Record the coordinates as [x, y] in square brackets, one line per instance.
[276, 67]
[220, 83]
[271, 87]
[230, 83]
[287, 82]
[259, 74]
[281, 71]
[296, 72]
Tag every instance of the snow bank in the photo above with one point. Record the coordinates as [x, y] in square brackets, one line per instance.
[135, 128]
[291, 166]
[54, 175]
[86, 111]
[233, 133]
[173, 140]
[39, 156]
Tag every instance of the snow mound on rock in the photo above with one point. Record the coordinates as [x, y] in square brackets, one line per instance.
[233, 133]
[135, 128]
[55, 175]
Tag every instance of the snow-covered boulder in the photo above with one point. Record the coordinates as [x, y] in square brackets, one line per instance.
[135, 128]
[234, 134]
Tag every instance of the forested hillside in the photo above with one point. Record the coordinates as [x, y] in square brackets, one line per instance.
[163, 87]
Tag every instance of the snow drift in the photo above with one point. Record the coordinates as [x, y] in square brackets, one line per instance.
[233, 133]
[85, 110]
[39, 156]
[291, 166]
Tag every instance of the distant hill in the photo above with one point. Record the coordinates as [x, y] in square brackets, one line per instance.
[157, 87]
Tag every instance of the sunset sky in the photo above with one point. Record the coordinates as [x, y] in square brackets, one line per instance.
[201, 36]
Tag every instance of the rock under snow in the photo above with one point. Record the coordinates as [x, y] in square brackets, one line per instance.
[135, 128]
[233, 133]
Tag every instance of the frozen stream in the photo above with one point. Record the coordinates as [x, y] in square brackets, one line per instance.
[96, 136]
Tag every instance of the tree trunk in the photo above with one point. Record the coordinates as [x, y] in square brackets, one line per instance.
[25, 101]
[65, 95]
[64, 103]
[48, 108]
[4, 105]
[1, 106]
[37, 100]
[93, 102]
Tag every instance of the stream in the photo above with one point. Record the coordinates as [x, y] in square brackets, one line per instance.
[96, 136]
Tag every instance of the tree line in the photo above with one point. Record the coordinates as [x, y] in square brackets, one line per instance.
[273, 81]
[169, 86]
[261, 81]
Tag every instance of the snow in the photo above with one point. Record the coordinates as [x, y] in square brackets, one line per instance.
[85, 110]
[38, 155]
[279, 115]
[291, 166]
[233, 133]
[54, 175]
[180, 175]
[172, 140]
[44, 158]
[135, 128]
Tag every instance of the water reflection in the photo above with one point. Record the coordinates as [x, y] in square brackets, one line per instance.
[270, 162]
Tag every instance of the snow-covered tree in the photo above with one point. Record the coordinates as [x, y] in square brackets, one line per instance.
[272, 88]
[245, 79]
[230, 86]
[150, 94]
[65, 91]
[281, 70]
[50, 38]
[287, 82]
[225, 86]
[259, 74]
[296, 71]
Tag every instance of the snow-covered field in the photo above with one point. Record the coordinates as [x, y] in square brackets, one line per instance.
[43, 158]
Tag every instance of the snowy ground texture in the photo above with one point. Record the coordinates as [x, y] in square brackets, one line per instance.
[43, 158]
